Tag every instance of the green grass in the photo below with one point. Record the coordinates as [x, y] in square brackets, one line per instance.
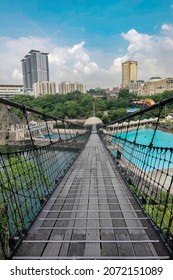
[159, 208]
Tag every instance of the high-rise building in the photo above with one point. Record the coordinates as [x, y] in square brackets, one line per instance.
[35, 69]
[42, 88]
[66, 87]
[129, 73]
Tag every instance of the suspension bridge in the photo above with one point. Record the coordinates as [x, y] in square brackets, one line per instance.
[91, 194]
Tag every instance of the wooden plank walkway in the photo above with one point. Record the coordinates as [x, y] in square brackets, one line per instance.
[92, 215]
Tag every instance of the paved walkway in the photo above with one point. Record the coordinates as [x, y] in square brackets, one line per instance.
[92, 215]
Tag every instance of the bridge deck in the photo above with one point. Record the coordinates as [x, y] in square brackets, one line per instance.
[92, 215]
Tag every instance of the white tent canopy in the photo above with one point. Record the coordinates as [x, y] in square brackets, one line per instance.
[92, 121]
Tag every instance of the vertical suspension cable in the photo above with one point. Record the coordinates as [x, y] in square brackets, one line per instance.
[48, 130]
[28, 126]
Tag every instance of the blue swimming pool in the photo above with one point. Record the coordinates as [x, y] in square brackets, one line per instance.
[55, 136]
[158, 156]
[144, 137]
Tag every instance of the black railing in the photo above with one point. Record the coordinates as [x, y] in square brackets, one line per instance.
[142, 147]
[34, 157]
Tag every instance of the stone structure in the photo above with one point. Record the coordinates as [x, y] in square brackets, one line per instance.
[11, 128]
[153, 86]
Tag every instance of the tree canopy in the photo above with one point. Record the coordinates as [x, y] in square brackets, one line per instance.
[80, 105]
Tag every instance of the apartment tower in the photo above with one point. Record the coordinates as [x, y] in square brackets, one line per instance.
[129, 73]
[35, 69]
[42, 88]
[67, 86]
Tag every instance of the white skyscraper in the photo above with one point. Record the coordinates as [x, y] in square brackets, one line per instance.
[35, 69]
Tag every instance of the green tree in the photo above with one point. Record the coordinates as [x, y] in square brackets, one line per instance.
[116, 114]
[86, 106]
[59, 110]
[124, 93]
[72, 109]
[105, 119]
[101, 105]
[79, 105]
[18, 177]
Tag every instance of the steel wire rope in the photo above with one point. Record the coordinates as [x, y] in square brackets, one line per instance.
[163, 157]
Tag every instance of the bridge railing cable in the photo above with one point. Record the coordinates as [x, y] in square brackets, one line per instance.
[142, 146]
[37, 151]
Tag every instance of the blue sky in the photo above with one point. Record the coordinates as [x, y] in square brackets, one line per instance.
[87, 40]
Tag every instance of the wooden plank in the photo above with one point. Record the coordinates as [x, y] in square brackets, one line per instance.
[143, 249]
[138, 249]
[70, 213]
[125, 249]
[107, 248]
[166, 257]
[80, 221]
[93, 249]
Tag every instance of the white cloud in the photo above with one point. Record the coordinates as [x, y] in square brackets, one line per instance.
[137, 41]
[17, 75]
[116, 66]
[65, 63]
[78, 52]
[153, 52]
[167, 27]
[12, 51]
[74, 63]
[58, 56]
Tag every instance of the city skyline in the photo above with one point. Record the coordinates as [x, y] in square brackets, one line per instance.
[88, 41]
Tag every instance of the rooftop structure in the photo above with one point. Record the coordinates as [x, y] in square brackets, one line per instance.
[93, 121]
[153, 86]
[154, 79]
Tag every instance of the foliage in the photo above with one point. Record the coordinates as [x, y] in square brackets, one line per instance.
[19, 174]
[18, 177]
[79, 105]
[3, 224]
[27, 100]
[105, 119]
[96, 92]
[158, 213]
[159, 208]
[101, 105]
[116, 114]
